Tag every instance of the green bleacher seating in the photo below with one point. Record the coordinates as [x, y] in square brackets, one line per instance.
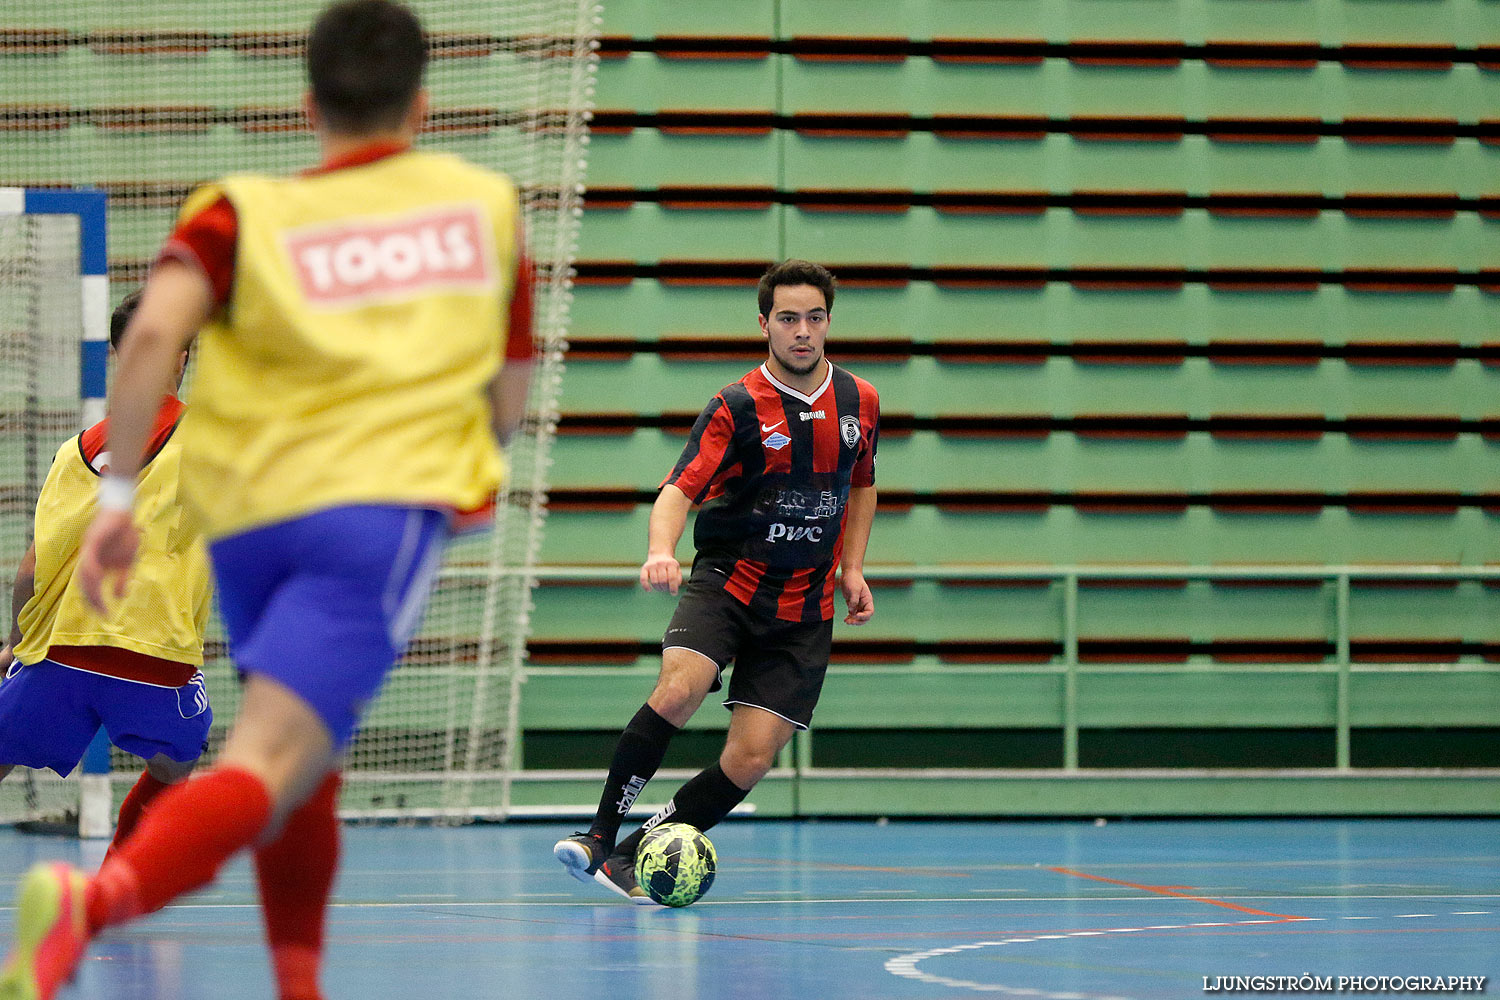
[1147, 285]
[649, 18]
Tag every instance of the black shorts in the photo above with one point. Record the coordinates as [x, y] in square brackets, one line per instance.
[778, 665]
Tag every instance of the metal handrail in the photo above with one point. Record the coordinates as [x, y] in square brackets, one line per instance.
[1342, 576]
[1082, 571]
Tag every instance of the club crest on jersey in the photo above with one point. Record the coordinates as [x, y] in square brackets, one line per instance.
[777, 441]
[386, 258]
[849, 431]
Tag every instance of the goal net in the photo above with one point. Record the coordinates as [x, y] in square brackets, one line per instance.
[147, 98]
[41, 323]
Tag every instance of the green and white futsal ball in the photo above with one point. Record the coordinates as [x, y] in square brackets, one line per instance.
[675, 864]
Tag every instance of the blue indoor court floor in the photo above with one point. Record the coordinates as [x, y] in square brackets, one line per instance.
[1048, 910]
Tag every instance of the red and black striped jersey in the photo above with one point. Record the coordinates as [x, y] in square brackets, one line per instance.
[772, 468]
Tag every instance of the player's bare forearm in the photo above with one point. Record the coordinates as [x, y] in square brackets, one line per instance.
[661, 570]
[21, 591]
[176, 302]
[508, 389]
[857, 523]
[508, 392]
[668, 519]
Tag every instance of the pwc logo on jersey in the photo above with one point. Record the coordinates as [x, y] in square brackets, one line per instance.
[794, 533]
[391, 258]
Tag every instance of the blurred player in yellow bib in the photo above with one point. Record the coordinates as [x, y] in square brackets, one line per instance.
[68, 669]
[364, 336]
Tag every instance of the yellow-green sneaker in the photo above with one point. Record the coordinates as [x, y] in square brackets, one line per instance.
[51, 933]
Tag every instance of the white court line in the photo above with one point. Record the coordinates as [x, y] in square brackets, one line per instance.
[906, 965]
[426, 897]
[773, 899]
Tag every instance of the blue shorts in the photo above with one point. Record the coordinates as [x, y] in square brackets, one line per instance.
[49, 714]
[326, 603]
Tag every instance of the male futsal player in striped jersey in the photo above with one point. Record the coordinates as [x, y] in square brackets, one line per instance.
[68, 669]
[783, 462]
[351, 388]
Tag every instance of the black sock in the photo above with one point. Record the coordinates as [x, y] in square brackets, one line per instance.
[637, 756]
[707, 798]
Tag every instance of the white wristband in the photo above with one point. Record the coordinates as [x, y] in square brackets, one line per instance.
[116, 493]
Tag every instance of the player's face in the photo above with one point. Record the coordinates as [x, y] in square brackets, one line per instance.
[796, 328]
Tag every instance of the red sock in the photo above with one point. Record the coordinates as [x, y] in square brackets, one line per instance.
[191, 830]
[146, 788]
[296, 877]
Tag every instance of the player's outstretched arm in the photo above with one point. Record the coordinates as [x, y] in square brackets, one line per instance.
[661, 570]
[21, 590]
[857, 523]
[508, 399]
[108, 551]
[177, 300]
[508, 390]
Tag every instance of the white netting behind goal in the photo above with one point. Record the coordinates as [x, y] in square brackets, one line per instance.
[40, 323]
[145, 99]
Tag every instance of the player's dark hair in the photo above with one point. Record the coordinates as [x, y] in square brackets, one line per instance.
[364, 61]
[795, 272]
[120, 319]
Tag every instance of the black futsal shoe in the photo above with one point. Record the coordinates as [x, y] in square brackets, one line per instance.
[581, 854]
[617, 874]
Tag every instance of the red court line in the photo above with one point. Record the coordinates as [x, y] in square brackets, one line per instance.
[1163, 891]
